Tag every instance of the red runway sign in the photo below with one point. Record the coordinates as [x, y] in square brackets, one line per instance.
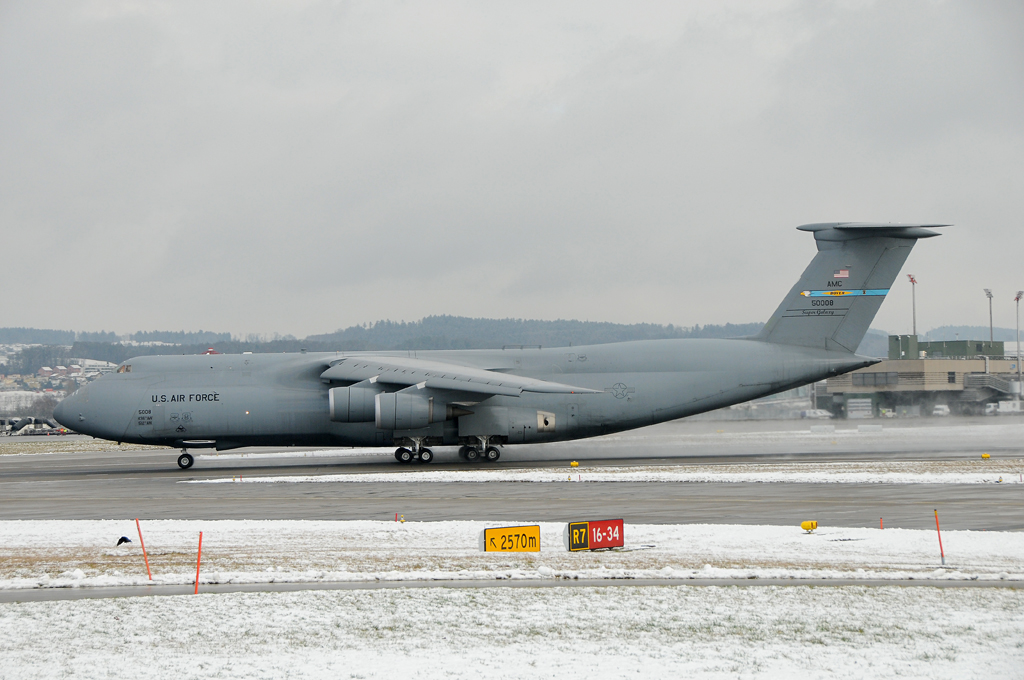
[605, 533]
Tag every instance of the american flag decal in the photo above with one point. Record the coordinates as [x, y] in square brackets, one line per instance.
[841, 274]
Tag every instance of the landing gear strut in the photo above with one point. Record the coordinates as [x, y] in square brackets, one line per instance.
[185, 460]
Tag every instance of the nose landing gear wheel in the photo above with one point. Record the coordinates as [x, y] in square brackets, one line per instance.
[491, 454]
[426, 455]
[185, 461]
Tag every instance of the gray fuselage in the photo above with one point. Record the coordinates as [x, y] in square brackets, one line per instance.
[230, 400]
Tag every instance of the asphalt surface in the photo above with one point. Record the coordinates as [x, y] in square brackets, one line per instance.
[50, 594]
[95, 485]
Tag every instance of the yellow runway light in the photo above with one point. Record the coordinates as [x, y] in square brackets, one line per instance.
[809, 526]
[574, 464]
[985, 456]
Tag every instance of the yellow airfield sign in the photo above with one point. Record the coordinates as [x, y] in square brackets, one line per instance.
[511, 539]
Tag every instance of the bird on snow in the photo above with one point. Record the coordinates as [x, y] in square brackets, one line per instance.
[123, 539]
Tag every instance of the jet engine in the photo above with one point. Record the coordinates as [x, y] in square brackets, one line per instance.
[398, 411]
[353, 404]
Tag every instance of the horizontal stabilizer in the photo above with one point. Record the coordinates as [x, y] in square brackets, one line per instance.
[876, 229]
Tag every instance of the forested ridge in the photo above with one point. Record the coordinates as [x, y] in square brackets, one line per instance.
[433, 332]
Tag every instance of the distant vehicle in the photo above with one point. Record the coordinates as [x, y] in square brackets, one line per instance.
[482, 399]
[1009, 406]
[818, 413]
[991, 409]
[940, 410]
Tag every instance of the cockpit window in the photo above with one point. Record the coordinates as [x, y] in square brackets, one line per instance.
[124, 368]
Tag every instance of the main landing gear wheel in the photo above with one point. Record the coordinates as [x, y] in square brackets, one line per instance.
[403, 455]
[462, 452]
[472, 455]
[185, 461]
[491, 454]
[426, 455]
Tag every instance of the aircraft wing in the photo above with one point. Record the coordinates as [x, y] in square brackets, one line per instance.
[443, 376]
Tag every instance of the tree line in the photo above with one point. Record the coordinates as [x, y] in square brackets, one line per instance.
[433, 332]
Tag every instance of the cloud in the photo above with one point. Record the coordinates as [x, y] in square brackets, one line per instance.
[298, 167]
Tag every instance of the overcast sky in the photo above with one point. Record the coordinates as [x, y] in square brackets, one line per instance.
[303, 166]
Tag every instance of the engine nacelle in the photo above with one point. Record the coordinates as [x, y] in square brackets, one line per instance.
[353, 404]
[397, 411]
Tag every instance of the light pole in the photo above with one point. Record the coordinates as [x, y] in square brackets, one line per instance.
[988, 294]
[1020, 294]
[913, 299]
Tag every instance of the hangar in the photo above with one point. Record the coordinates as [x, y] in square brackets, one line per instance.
[969, 377]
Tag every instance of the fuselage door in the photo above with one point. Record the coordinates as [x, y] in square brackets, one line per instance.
[517, 427]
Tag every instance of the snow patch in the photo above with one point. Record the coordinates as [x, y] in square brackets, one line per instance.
[70, 554]
[874, 472]
[601, 633]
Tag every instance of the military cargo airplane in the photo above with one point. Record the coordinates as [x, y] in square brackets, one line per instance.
[481, 400]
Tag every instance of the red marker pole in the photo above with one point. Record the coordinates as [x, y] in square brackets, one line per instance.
[939, 532]
[143, 548]
[880, 524]
[199, 558]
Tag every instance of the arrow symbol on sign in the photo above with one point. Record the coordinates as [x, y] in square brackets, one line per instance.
[493, 544]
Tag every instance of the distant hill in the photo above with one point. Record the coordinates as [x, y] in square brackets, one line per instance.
[432, 332]
[35, 336]
[101, 336]
[457, 332]
[180, 337]
[875, 344]
[29, 360]
[439, 332]
[44, 336]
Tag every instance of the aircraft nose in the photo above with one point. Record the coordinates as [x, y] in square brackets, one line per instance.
[63, 412]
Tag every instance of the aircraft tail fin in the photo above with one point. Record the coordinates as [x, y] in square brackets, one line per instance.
[836, 298]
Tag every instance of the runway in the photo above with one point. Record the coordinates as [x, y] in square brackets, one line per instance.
[91, 485]
[52, 594]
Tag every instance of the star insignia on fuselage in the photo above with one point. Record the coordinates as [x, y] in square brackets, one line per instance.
[619, 390]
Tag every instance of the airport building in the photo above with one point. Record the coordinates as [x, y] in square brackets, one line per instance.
[965, 377]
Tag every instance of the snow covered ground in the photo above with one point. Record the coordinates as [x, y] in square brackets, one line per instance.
[60, 554]
[13, 401]
[627, 632]
[37, 446]
[1001, 471]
